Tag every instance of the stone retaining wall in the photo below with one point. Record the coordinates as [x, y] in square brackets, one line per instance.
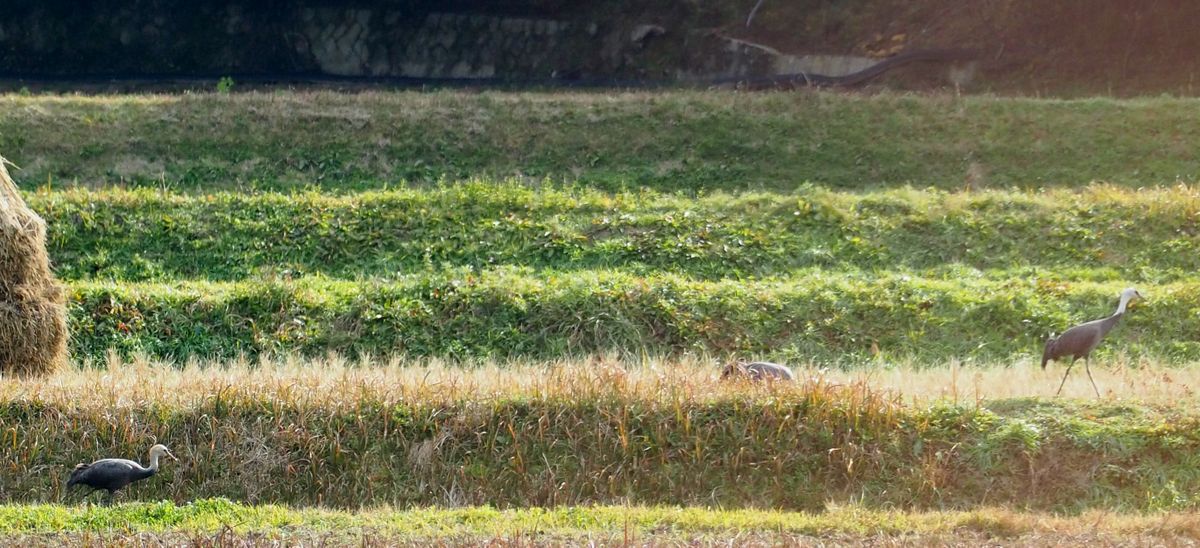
[599, 40]
[362, 42]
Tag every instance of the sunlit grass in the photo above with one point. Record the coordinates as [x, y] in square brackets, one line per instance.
[602, 431]
[811, 274]
[337, 380]
[521, 225]
[634, 523]
[1100, 231]
[834, 319]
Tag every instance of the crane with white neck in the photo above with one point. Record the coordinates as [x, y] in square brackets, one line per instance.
[113, 474]
[1079, 341]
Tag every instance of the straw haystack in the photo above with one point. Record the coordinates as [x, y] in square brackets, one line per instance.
[33, 312]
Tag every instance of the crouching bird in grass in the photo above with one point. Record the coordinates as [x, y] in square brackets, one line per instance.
[113, 474]
[758, 371]
[1079, 341]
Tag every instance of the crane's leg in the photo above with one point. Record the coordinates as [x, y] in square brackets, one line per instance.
[85, 496]
[1064, 381]
[1087, 367]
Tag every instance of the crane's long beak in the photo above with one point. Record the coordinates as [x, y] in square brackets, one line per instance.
[172, 456]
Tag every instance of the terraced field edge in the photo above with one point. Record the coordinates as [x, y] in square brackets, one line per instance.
[669, 141]
[602, 438]
[818, 317]
[1099, 233]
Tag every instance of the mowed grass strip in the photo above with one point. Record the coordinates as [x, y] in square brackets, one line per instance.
[355, 437]
[665, 140]
[1098, 233]
[820, 317]
[581, 523]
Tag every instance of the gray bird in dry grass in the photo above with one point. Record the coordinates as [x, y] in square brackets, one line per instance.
[1079, 341]
[113, 474]
[757, 371]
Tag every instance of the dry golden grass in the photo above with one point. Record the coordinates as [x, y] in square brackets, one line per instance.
[600, 431]
[1120, 379]
[335, 381]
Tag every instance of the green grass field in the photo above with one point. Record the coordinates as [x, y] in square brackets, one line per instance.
[220, 521]
[837, 228]
[502, 269]
[571, 268]
[691, 141]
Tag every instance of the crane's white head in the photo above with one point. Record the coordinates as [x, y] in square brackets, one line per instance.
[160, 450]
[1127, 296]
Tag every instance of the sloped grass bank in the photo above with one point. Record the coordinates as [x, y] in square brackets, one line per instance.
[599, 437]
[509, 313]
[668, 140]
[1101, 233]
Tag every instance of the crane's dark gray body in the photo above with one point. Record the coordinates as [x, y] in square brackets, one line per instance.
[757, 371]
[1079, 341]
[109, 475]
[114, 474]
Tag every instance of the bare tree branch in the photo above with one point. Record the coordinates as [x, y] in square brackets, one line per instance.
[753, 12]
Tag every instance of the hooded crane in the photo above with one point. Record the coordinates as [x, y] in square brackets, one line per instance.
[1079, 341]
[757, 371]
[113, 474]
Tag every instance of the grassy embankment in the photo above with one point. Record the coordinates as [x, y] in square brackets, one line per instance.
[351, 437]
[745, 259]
[689, 141]
[207, 264]
[502, 270]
